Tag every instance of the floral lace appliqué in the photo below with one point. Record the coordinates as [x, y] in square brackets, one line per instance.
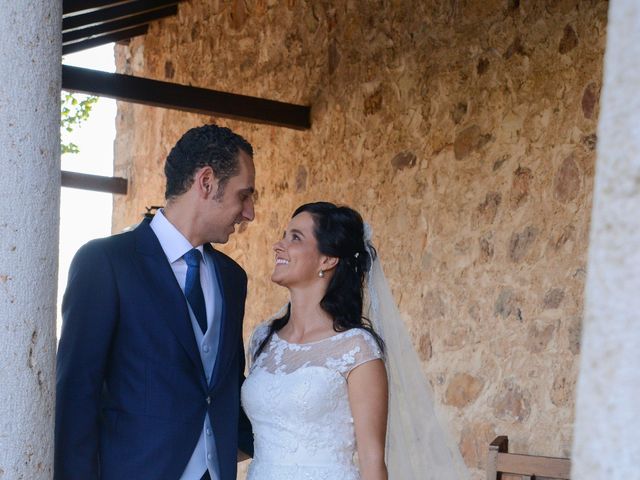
[297, 400]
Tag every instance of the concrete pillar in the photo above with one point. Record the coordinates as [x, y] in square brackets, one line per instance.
[607, 429]
[30, 38]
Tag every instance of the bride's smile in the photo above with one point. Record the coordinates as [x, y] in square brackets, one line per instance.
[297, 258]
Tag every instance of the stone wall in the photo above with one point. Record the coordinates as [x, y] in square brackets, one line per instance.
[464, 131]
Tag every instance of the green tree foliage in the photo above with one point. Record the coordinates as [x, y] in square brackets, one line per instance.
[74, 111]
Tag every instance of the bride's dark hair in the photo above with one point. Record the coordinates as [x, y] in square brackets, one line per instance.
[339, 232]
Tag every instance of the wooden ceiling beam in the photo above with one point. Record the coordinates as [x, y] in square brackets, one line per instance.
[186, 98]
[117, 25]
[110, 14]
[96, 183]
[104, 39]
[74, 7]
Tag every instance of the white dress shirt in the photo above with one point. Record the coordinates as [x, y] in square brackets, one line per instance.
[175, 245]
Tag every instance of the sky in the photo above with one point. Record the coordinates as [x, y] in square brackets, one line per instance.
[85, 215]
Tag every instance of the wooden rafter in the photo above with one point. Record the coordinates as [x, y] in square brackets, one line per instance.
[112, 13]
[186, 98]
[90, 23]
[74, 7]
[104, 39]
[80, 34]
[95, 183]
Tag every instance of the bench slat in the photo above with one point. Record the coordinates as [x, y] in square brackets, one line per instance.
[533, 465]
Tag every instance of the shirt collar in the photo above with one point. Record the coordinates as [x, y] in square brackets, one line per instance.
[173, 243]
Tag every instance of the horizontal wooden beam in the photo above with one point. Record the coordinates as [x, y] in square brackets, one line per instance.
[109, 14]
[181, 97]
[71, 7]
[95, 183]
[104, 39]
[117, 25]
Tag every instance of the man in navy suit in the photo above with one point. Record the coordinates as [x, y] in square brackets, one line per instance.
[151, 360]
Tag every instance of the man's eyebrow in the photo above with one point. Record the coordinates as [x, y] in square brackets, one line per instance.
[249, 190]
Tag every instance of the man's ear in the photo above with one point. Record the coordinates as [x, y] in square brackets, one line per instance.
[329, 263]
[205, 182]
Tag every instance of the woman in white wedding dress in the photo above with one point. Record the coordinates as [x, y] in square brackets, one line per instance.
[316, 393]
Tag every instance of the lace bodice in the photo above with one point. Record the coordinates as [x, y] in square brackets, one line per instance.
[297, 400]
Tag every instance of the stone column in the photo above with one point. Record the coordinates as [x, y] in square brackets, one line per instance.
[30, 49]
[607, 428]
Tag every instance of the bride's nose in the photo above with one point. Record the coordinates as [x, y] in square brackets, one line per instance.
[277, 247]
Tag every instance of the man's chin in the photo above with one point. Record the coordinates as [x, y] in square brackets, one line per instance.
[221, 240]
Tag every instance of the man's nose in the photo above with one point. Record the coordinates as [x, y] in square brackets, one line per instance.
[248, 212]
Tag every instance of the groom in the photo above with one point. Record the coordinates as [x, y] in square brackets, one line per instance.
[151, 360]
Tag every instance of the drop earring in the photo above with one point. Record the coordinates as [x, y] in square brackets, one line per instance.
[321, 273]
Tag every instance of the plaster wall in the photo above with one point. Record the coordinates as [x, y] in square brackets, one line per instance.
[463, 131]
[609, 381]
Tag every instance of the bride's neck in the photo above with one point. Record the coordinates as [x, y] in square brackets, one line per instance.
[306, 313]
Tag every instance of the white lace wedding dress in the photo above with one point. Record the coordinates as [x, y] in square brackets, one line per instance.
[296, 398]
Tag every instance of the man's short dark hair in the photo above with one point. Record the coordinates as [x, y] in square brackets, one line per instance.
[209, 145]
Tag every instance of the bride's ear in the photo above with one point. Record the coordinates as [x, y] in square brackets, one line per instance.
[329, 263]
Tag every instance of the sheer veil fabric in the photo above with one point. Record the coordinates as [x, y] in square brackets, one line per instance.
[419, 447]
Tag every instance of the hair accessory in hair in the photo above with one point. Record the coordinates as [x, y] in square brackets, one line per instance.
[356, 255]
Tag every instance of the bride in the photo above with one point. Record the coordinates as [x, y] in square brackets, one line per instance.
[322, 382]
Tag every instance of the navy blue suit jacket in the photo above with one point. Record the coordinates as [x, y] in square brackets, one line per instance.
[131, 389]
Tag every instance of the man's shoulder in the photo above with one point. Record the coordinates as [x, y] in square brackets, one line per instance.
[114, 241]
[111, 245]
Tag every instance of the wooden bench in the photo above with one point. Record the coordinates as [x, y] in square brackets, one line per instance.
[534, 467]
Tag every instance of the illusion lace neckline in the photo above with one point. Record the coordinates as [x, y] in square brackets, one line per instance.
[278, 337]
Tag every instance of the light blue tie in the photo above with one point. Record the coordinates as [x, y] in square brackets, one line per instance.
[193, 289]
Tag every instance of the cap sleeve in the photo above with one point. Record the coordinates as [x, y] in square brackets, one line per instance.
[357, 347]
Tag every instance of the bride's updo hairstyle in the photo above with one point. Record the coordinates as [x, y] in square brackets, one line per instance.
[339, 232]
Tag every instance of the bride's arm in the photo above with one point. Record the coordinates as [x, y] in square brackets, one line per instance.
[368, 392]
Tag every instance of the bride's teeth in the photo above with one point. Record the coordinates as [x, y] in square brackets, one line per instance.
[280, 261]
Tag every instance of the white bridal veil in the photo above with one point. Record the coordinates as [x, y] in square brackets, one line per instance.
[419, 447]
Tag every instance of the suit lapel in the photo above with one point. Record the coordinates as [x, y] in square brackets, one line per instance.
[226, 343]
[166, 294]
